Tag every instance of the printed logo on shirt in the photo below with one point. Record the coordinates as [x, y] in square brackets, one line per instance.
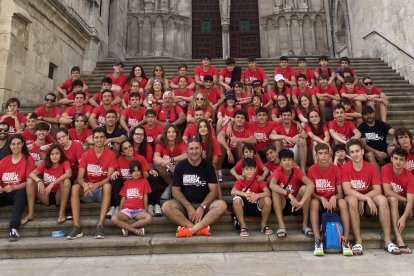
[35, 155]
[260, 136]
[125, 173]
[132, 122]
[227, 80]
[48, 178]
[101, 120]
[397, 188]
[133, 193]
[95, 170]
[10, 178]
[323, 184]
[373, 137]
[358, 184]
[410, 165]
[193, 180]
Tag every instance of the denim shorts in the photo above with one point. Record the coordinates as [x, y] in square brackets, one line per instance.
[95, 197]
[131, 213]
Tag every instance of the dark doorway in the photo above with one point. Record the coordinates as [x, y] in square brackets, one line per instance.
[206, 31]
[244, 29]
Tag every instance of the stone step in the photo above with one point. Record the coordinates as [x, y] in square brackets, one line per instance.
[167, 243]
[400, 114]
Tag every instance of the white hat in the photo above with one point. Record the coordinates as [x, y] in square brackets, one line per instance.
[279, 77]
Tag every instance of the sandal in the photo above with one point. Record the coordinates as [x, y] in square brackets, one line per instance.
[404, 249]
[393, 249]
[281, 233]
[25, 220]
[61, 220]
[244, 232]
[308, 232]
[267, 230]
[357, 249]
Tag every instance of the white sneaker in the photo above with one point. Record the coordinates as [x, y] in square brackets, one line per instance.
[151, 210]
[318, 248]
[166, 194]
[116, 211]
[110, 212]
[157, 211]
[220, 175]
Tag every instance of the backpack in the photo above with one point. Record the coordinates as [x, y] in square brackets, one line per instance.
[332, 231]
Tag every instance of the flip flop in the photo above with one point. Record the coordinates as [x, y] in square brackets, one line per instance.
[24, 221]
[267, 230]
[281, 233]
[392, 249]
[307, 232]
[357, 249]
[244, 232]
[404, 249]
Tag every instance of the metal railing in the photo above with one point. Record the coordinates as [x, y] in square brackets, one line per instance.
[380, 35]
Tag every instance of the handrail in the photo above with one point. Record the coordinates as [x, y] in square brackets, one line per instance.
[375, 32]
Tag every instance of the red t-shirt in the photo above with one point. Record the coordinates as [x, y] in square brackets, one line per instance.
[401, 184]
[282, 179]
[362, 180]
[375, 91]
[186, 93]
[31, 137]
[321, 71]
[71, 96]
[355, 91]
[123, 165]
[176, 79]
[346, 131]
[98, 96]
[199, 71]
[191, 131]
[51, 174]
[261, 133]
[142, 84]
[149, 153]
[310, 75]
[74, 154]
[293, 131]
[100, 112]
[254, 185]
[259, 74]
[132, 118]
[213, 96]
[35, 153]
[12, 125]
[409, 163]
[259, 166]
[226, 74]
[226, 113]
[215, 147]
[208, 110]
[244, 133]
[152, 133]
[308, 91]
[81, 138]
[162, 113]
[177, 150]
[54, 111]
[331, 90]
[325, 180]
[14, 174]
[96, 169]
[134, 191]
[120, 81]
[251, 113]
[71, 110]
[308, 129]
[271, 166]
[288, 74]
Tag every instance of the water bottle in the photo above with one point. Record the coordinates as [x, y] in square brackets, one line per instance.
[58, 234]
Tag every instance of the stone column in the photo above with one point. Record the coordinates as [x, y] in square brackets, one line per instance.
[164, 37]
[266, 46]
[118, 17]
[313, 21]
[141, 36]
[289, 22]
[225, 25]
[152, 40]
[302, 39]
[187, 35]
[175, 38]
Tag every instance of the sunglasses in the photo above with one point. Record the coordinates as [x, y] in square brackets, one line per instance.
[50, 100]
[193, 139]
[3, 130]
[368, 83]
[159, 70]
[200, 99]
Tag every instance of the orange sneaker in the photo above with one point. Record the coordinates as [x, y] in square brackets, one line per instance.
[205, 231]
[183, 232]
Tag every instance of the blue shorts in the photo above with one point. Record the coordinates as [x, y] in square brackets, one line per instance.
[95, 197]
[131, 213]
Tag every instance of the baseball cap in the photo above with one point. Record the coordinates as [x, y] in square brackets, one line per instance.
[279, 77]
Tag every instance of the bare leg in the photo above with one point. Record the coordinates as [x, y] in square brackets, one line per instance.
[64, 192]
[171, 210]
[216, 209]
[106, 200]
[31, 188]
[393, 202]
[266, 206]
[305, 208]
[354, 217]
[343, 210]
[239, 212]
[77, 193]
[314, 218]
[384, 217]
[279, 202]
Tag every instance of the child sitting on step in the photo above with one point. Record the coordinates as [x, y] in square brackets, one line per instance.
[134, 203]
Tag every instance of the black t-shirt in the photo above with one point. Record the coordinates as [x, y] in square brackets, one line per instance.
[116, 133]
[375, 136]
[4, 151]
[194, 181]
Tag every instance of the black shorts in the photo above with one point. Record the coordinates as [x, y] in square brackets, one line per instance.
[250, 209]
[287, 211]
[226, 164]
[52, 199]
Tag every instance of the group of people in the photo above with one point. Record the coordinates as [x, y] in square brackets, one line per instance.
[308, 141]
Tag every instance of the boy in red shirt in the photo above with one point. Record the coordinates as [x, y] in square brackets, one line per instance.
[250, 152]
[327, 95]
[118, 78]
[200, 71]
[344, 63]
[405, 140]
[288, 182]
[66, 87]
[134, 114]
[182, 72]
[97, 117]
[13, 117]
[324, 69]
[152, 129]
[351, 91]
[92, 185]
[362, 187]
[302, 88]
[341, 130]
[134, 203]
[229, 74]
[251, 198]
[328, 194]
[272, 158]
[254, 72]
[398, 184]
[286, 71]
[48, 112]
[303, 69]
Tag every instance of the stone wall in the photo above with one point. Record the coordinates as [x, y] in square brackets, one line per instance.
[293, 27]
[392, 19]
[39, 37]
[159, 28]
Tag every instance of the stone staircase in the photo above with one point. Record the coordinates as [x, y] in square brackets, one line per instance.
[399, 91]
[36, 240]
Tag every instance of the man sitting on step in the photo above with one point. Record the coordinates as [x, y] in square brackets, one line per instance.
[195, 189]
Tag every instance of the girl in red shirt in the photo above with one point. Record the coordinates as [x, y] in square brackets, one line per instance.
[14, 170]
[199, 100]
[317, 131]
[304, 108]
[80, 132]
[183, 96]
[137, 74]
[53, 187]
[134, 203]
[154, 95]
[211, 150]
[226, 111]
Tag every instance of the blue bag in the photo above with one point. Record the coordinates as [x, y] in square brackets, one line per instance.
[332, 230]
